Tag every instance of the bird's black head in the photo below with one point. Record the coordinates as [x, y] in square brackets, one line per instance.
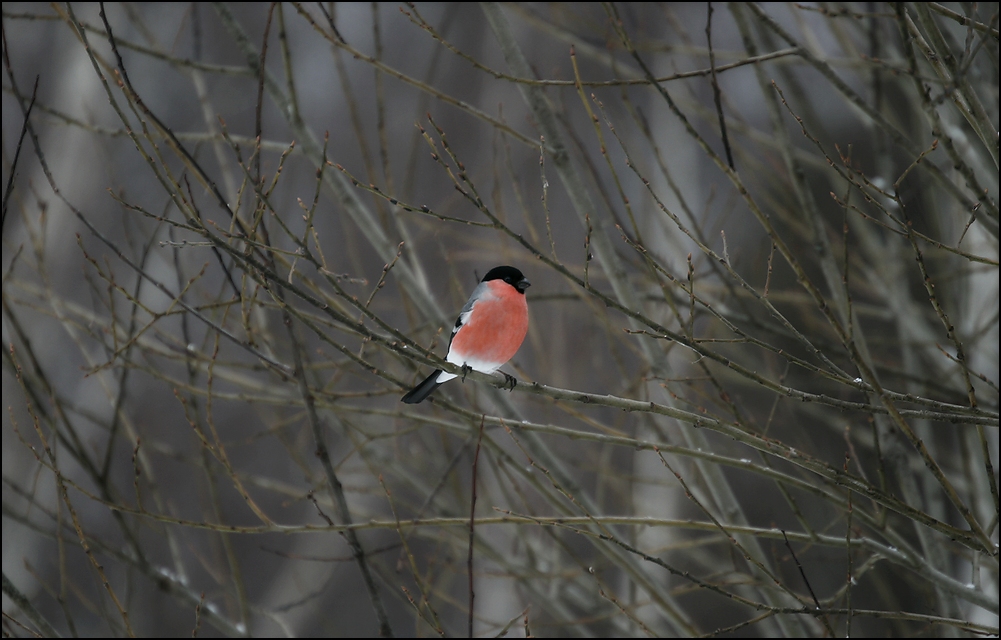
[509, 275]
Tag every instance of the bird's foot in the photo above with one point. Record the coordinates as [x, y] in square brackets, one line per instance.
[465, 369]
[510, 381]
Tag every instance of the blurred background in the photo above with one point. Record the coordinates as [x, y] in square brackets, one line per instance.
[758, 396]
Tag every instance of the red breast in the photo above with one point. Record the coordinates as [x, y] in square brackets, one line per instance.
[496, 327]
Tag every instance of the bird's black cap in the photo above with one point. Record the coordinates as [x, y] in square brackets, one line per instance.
[509, 275]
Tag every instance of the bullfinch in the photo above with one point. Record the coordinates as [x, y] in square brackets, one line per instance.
[488, 332]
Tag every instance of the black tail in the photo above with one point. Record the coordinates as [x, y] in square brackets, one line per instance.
[423, 390]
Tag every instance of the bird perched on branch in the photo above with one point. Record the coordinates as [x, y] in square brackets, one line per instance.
[489, 330]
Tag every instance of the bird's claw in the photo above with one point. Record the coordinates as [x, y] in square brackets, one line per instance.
[465, 369]
[509, 381]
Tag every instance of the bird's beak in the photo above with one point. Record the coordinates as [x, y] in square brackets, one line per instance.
[522, 285]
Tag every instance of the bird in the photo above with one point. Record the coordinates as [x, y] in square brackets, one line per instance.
[488, 332]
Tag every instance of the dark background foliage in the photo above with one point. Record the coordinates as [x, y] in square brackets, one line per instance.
[758, 396]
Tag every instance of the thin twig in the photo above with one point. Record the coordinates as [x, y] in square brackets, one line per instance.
[472, 529]
[715, 85]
